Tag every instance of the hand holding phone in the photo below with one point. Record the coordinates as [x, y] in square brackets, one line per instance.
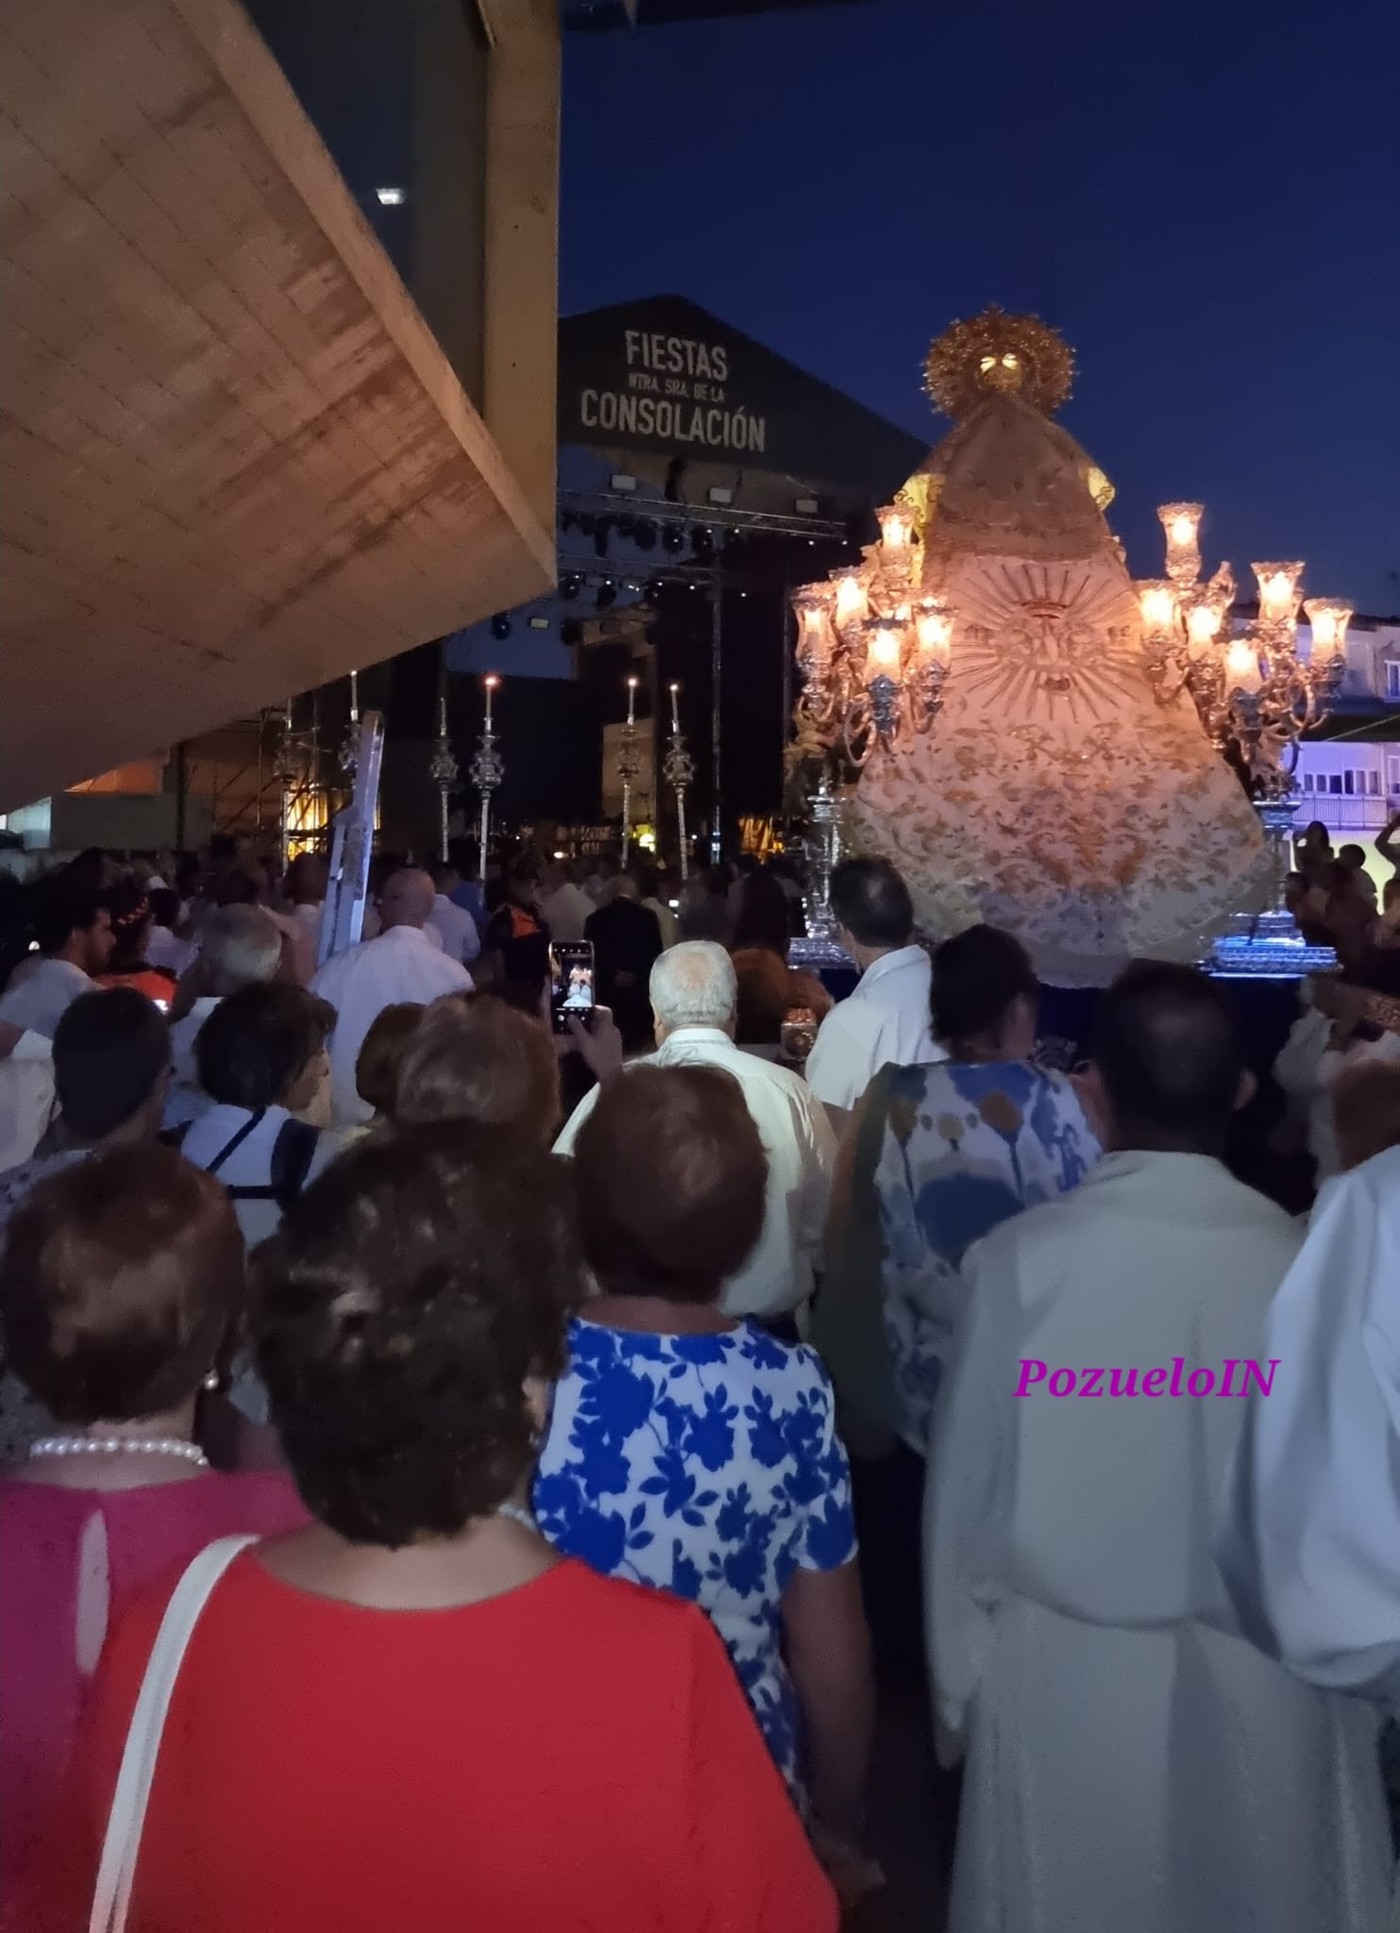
[571, 982]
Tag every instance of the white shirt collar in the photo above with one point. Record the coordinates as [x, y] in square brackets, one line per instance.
[902, 956]
[696, 1033]
[399, 933]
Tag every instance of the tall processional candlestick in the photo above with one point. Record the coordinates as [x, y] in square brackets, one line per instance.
[487, 769]
[627, 766]
[678, 769]
[287, 771]
[350, 749]
[442, 770]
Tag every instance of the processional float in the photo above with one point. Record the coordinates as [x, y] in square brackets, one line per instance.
[1104, 768]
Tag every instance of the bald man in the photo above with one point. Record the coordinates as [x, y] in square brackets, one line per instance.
[401, 963]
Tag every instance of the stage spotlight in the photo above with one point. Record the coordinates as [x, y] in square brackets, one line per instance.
[607, 594]
[645, 535]
[570, 584]
[702, 545]
[673, 539]
[500, 625]
[655, 588]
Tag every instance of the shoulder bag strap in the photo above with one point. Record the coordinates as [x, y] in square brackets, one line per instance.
[112, 1895]
[233, 1145]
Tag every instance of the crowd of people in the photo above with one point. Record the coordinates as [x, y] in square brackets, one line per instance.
[462, 1464]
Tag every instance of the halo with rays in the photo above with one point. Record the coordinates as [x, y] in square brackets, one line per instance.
[996, 351]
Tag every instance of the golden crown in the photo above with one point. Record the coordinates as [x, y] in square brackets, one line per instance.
[995, 352]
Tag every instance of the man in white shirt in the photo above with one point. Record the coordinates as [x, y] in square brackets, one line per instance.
[566, 906]
[1132, 1761]
[240, 946]
[694, 996]
[452, 923]
[74, 932]
[27, 1099]
[402, 963]
[886, 1020]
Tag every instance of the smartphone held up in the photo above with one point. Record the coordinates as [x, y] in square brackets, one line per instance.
[571, 982]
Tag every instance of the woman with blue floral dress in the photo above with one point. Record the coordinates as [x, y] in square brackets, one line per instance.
[691, 1452]
[935, 1157]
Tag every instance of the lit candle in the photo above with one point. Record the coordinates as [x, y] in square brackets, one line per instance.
[1242, 667]
[490, 684]
[884, 647]
[631, 701]
[1203, 623]
[934, 628]
[850, 596]
[675, 709]
[896, 526]
[1329, 619]
[1278, 591]
[1157, 602]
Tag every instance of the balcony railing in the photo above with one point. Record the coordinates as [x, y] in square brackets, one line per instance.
[1347, 813]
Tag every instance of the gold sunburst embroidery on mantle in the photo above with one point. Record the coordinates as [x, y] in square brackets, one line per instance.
[1050, 638]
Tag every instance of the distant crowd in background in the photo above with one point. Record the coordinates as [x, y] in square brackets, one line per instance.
[680, 1371]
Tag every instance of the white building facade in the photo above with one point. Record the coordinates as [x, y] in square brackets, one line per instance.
[1350, 779]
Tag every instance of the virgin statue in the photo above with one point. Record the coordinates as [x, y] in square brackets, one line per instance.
[1055, 795]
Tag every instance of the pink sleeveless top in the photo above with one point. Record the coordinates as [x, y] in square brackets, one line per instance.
[70, 1562]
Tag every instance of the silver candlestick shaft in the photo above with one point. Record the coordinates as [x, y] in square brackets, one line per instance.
[628, 766]
[442, 770]
[350, 749]
[678, 769]
[824, 850]
[487, 771]
[287, 771]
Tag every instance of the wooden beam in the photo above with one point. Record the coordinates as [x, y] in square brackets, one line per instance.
[522, 241]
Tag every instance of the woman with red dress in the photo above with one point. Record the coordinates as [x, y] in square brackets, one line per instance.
[413, 1714]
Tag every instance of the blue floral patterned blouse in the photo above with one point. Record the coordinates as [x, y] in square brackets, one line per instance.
[964, 1146]
[705, 1465]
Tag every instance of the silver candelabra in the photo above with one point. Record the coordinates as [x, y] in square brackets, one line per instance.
[487, 770]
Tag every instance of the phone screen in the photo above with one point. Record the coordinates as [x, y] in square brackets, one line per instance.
[571, 977]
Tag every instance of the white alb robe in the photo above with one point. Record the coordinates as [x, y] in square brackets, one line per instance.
[1133, 1764]
[1311, 1545]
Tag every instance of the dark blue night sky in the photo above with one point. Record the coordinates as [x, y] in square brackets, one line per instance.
[1204, 198]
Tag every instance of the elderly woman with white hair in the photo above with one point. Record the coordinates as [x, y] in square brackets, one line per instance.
[694, 999]
[240, 946]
